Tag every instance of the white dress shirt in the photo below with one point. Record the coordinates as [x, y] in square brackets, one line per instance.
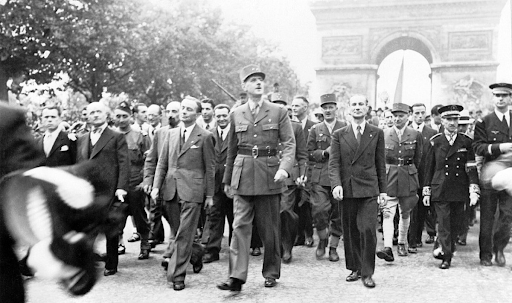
[95, 136]
[418, 127]
[223, 132]
[187, 131]
[330, 126]
[355, 125]
[49, 141]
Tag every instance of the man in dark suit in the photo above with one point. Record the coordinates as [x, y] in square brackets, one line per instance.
[403, 155]
[296, 181]
[17, 151]
[451, 181]
[256, 177]
[493, 137]
[357, 170]
[222, 207]
[422, 216]
[58, 146]
[300, 105]
[187, 166]
[325, 209]
[109, 150]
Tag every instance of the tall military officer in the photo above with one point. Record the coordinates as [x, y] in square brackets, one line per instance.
[493, 137]
[403, 154]
[451, 180]
[325, 209]
[256, 177]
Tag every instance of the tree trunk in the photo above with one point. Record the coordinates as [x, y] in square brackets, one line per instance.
[4, 96]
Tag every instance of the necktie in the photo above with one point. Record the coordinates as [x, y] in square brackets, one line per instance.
[255, 110]
[153, 132]
[96, 130]
[207, 126]
[183, 137]
[358, 137]
[221, 135]
[504, 122]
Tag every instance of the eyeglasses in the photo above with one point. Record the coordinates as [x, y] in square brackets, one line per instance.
[504, 95]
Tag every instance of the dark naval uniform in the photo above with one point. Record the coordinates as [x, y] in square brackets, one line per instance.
[450, 170]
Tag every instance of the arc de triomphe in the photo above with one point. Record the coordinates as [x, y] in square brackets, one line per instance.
[458, 39]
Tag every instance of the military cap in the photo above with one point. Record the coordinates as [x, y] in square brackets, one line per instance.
[450, 111]
[400, 107]
[465, 118]
[249, 70]
[124, 107]
[327, 99]
[501, 88]
[278, 98]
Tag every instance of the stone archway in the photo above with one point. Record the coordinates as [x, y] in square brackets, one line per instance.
[458, 39]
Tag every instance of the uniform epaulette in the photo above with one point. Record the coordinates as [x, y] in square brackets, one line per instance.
[435, 136]
[465, 135]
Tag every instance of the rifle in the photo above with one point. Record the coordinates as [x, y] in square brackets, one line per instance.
[225, 90]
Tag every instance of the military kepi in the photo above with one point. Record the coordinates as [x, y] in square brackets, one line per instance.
[400, 107]
[124, 107]
[450, 111]
[249, 70]
[278, 98]
[327, 99]
[501, 88]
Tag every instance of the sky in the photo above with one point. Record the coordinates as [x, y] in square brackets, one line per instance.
[291, 24]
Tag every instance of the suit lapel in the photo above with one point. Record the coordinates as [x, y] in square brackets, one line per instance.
[498, 124]
[366, 138]
[246, 111]
[192, 139]
[102, 141]
[407, 136]
[350, 139]
[57, 143]
[393, 135]
[84, 146]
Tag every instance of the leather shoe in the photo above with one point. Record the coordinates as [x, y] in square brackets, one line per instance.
[144, 254]
[309, 242]
[485, 262]
[462, 242]
[256, 252]
[154, 243]
[134, 238]
[232, 284]
[445, 264]
[299, 241]
[387, 254]
[412, 250]
[121, 249]
[402, 252]
[419, 244]
[165, 263]
[209, 258]
[109, 272]
[430, 240]
[287, 257]
[270, 282]
[320, 249]
[500, 258]
[197, 267]
[178, 285]
[368, 282]
[354, 276]
[333, 255]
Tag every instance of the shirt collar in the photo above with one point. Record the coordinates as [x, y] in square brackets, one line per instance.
[399, 131]
[189, 129]
[418, 127]
[102, 127]
[501, 115]
[252, 103]
[355, 125]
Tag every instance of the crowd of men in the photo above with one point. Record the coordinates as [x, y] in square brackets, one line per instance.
[275, 176]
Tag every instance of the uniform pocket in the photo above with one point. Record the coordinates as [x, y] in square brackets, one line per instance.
[273, 166]
[237, 172]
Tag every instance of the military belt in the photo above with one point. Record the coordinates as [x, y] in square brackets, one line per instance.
[399, 161]
[257, 152]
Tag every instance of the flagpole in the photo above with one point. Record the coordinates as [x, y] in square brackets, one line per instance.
[400, 82]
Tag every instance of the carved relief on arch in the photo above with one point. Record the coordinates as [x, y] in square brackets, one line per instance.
[467, 91]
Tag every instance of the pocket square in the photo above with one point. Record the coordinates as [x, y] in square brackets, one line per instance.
[64, 148]
[194, 146]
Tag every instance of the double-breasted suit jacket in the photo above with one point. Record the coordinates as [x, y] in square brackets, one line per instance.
[63, 151]
[188, 170]
[319, 148]
[426, 134]
[490, 131]
[110, 155]
[360, 170]
[447, 170]
[250, 175]
[402, 160]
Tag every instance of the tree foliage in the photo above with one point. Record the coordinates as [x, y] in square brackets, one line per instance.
[152, 50]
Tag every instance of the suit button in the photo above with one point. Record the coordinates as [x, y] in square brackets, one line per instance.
[446, 165]
[458, 158]
[446, 173]
[399, 151]
[255, 124]
[255, 136]
[494, 139]
[457, 166]
[446, 159]
[456, 175]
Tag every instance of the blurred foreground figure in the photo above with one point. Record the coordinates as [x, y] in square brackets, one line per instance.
[33, 205]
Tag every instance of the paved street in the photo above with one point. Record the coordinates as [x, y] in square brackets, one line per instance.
[416, 278]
